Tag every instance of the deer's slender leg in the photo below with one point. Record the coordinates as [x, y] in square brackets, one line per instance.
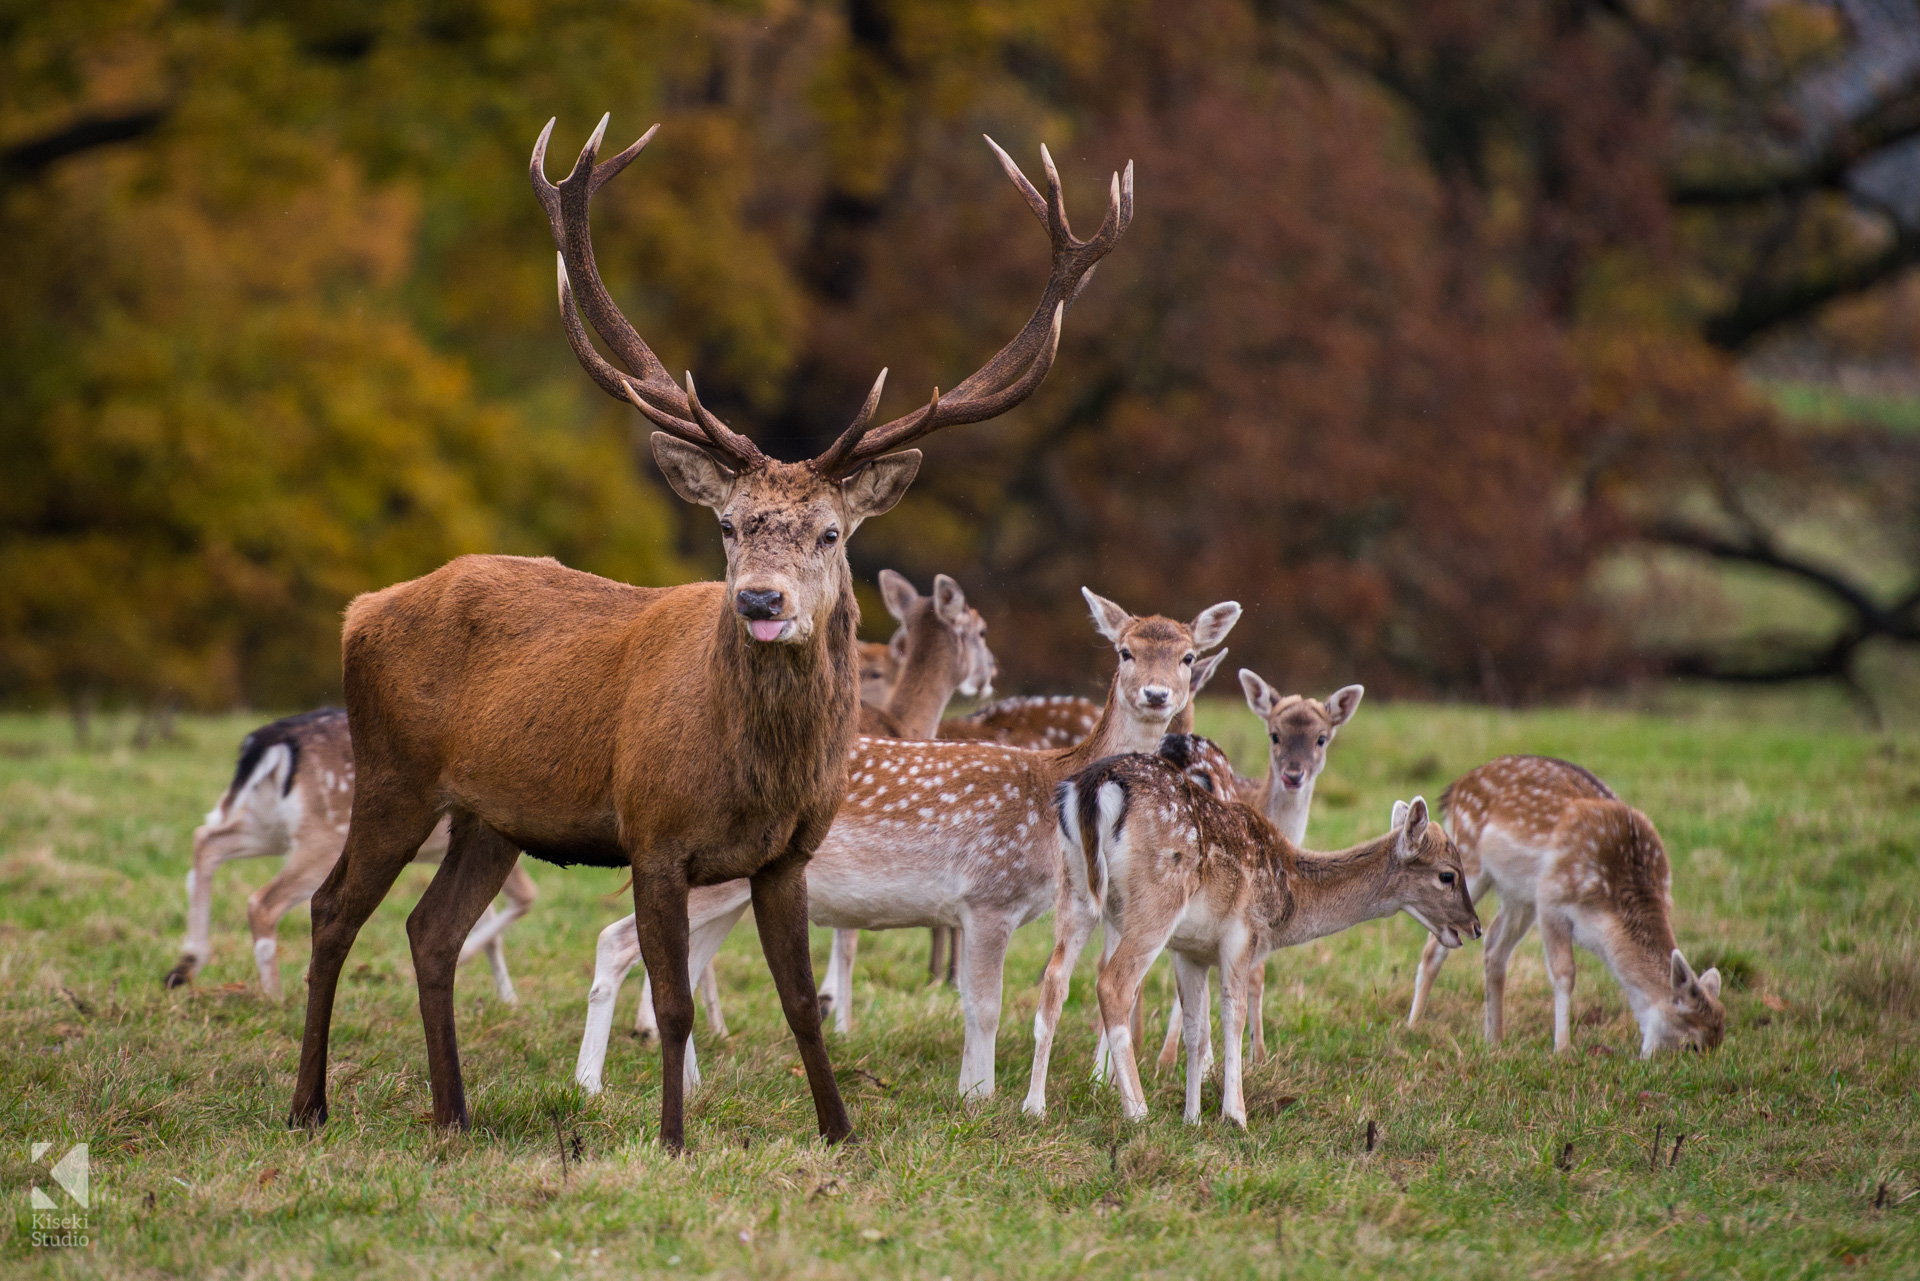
[780, 908]
[476, 865]
[710, 1002]
[302, 874]
[838, 993]
[1556, 939]
[646, 1024]
[660, 921]
[210, 850]
[1176, 1020]
[1119, 988]
[1191, 979]
[1256, 1010]
[710, 923]
[938, 939]
[1074, 917]
[984, 964]
[614, 956]
[388, 826]
[1102, 1052]
[1509, 927]
[1236, 966]
[1433, 956]
[488, 934]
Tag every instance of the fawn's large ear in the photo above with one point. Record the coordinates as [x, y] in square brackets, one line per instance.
[694, 473]
[897, 646]
[949, 601]
[875, 488]
[1683, 975]
[898, 593]
[1203, 670]
[1710, 982]
[1213, 624]
[1343, 703]
[1108, 618]
[1261, 696]
[1410, 818]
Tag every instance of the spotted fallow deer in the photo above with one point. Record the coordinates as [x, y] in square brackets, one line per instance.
[1148, 845]
[1038, 723]
[290, 796]
[538, 707]
[1299, 732]
[955, 834]
[1560, 846]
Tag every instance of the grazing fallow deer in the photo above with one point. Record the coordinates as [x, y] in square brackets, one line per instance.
[695, 734]
[1152, 845]
[1559, 845]
[1299, 732]
[290, 795]
[956, 834]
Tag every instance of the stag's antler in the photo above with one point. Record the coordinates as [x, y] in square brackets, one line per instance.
[1010, 376]
[650, 388]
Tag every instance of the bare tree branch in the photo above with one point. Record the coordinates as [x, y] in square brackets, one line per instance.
[24, 161]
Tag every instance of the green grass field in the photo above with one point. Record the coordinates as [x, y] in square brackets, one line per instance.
[1793, 840]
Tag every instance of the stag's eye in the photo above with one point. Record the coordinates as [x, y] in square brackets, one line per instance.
[1446, 878]
[726, 528]
[829, 538]
[1126, 656]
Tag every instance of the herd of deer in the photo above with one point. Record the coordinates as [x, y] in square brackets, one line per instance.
[501, 705]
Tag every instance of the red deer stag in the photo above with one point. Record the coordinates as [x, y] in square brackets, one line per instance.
[535, 705]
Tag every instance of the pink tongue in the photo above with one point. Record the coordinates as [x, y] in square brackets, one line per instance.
[766, 629]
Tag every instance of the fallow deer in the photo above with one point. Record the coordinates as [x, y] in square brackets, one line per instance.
[946, 653]
[953, 834]
[541, 708]
[1299, 732]
[1151, 844]
[1038, 723]
[1559, 845]
[879, 668]
[291, 792]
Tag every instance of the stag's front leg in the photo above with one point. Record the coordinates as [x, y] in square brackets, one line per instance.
[477, 862]
[660, 921]
[780, 909]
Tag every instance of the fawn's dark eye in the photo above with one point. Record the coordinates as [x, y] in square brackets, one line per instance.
[1273, 736]
[1322, 742]
[1188, 660]
[829, 538]
[1126, 656]
[1446, 878]
[726, 528]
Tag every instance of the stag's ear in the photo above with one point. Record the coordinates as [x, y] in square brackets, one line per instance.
[1343, 703]
[1410, 817]
[949, 601]
[1203, 670]
[1108, 618]
[875, 488]
[694, 473]
[1710, 982]
[1261, 696]
[898, 593]
[1214, 623]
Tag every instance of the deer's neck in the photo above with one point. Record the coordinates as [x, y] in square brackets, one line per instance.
[1286, 808]
[1336, 891]
[1120, 729]
[787, 714]
[927, 679]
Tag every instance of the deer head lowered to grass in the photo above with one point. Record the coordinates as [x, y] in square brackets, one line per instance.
[536, 705]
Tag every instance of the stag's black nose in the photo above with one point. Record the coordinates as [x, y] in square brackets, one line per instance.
[756, 603]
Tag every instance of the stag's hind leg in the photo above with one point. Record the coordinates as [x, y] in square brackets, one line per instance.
[477, 862]
[388, 826]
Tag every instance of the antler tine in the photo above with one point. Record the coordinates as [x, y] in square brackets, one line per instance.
[1033, 198]
[724, 438]
[1056, 202]
[566, 204]
[838, 452]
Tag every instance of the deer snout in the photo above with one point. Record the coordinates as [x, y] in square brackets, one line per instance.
[1155, 696]
[759, 603]
[1294, 777]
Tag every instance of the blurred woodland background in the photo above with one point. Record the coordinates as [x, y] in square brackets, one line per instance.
[1483, 348]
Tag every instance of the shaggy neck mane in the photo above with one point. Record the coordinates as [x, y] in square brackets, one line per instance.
[788, 713]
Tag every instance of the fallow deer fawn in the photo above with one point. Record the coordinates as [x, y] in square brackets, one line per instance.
[1299, 732]
[948, 834]
[542, 707]
[290, 796]
[1149, 844]
[1558, 844]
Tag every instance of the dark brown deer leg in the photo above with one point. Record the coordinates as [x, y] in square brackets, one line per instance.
[385, 833]
[780, 912]
[660, 919]
[476, 866]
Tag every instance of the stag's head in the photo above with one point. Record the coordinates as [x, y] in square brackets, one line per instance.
[1299, 729]
[1162, 661]
[785, 525]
